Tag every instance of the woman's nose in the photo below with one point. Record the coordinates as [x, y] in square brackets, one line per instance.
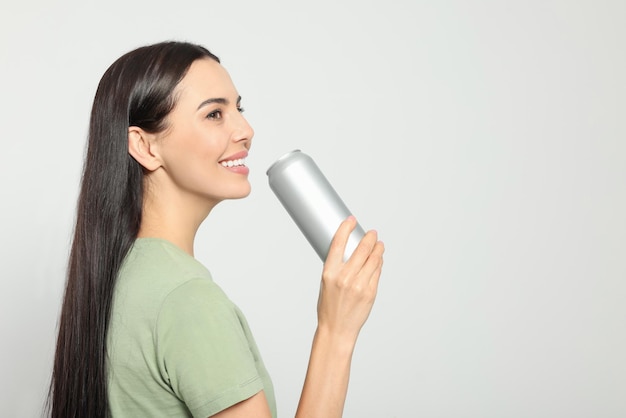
[242, 130]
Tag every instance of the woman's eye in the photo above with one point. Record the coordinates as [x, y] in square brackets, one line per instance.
[240, 109]
[217, 114]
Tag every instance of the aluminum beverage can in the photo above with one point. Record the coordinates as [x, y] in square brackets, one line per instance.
[311, 201]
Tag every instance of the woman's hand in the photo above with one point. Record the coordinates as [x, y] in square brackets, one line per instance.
[348, 289]
[346, 297]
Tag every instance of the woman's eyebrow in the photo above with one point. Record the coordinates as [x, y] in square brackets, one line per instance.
[219, 100]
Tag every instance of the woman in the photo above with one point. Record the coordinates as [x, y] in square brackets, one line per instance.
[144, 330]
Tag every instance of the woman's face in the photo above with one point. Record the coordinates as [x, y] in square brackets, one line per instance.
[204, 148]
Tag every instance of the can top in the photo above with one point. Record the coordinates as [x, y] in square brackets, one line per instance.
[281, 159]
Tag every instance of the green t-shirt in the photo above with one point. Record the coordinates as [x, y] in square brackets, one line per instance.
[177, 346]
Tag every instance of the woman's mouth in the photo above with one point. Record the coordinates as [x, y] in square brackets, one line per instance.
[234, 163]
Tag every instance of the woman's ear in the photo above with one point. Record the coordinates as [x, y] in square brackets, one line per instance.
[142, 148]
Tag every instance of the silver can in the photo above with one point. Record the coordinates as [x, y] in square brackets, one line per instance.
[311, 201]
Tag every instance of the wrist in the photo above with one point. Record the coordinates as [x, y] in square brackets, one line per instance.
[341, 344]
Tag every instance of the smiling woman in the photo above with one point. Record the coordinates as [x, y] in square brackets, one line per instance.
[144, 329]
[206, 135]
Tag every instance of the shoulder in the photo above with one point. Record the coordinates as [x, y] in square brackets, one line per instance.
[198, 303]
[158, 266]
[203, 349]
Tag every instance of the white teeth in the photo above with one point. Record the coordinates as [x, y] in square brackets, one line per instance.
[233, 163]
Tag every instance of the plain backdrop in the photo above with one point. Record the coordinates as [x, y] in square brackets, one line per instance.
[484, 140]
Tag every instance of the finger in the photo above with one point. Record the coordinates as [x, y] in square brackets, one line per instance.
[363, 250]
[374, 262]
[375, 278]
[339, 241]
[373, 268]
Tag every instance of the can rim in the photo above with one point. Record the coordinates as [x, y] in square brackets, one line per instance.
[284, 157]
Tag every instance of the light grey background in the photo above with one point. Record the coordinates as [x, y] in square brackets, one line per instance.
[485, 140]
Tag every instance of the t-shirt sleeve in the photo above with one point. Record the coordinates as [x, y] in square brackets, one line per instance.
[202, 350]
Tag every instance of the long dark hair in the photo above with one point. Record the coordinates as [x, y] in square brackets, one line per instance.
[136, 90]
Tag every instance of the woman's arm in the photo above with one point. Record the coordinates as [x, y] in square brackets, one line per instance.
[347, 294]
[346, 297]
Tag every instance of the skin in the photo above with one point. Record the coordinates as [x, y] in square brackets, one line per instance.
[185, 180]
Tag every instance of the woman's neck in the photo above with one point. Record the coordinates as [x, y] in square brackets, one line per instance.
[173, 218]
